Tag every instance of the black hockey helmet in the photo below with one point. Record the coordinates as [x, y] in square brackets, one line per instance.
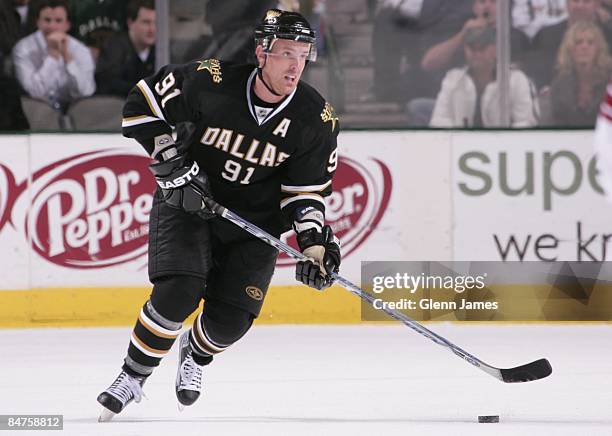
[278, 24]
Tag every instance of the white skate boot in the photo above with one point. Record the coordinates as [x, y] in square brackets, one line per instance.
[124, 389]
[188, 375]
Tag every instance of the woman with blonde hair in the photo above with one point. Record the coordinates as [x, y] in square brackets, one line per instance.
[581, 75]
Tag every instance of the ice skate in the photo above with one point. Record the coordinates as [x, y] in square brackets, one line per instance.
[124, 389]
[188, 375]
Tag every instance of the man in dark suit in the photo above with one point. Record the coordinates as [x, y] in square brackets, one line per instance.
[129, 57]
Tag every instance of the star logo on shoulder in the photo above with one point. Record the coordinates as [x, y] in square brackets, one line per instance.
[213, 66]
[329, 114]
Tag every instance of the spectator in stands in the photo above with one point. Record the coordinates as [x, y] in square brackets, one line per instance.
[548, 40]
[10, 27]
[49, 63]
[129, 57]
[24, 10]
[529, 16]
[11, 114]
[605, 11]
[14, 23]
[469, 96]
[233, 23]
[402, 31]
[582, 71]
[94, 22]
[449, 53]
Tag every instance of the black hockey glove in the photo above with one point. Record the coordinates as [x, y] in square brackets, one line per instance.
[182, 182]
[323, 249]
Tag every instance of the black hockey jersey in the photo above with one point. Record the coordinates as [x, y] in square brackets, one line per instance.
[257, 167]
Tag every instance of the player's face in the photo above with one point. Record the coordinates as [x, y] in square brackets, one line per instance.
[585, 48]
[580, 10]
[284, 64]
[53, 20]
[142, 29]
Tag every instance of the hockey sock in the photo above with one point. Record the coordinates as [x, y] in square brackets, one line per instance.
[217, 327]
[203, 347]
[151, 339]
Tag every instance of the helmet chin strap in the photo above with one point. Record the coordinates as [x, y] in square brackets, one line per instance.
[260, 75]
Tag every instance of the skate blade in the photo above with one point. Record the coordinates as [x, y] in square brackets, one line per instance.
[180, 406]
[106, 415]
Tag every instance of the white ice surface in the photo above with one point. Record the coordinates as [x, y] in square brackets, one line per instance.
[312, 380]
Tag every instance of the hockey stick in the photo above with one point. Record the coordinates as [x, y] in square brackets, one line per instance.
[531, 371]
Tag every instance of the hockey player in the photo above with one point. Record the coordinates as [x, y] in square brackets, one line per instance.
[260, 142]
[603, 142]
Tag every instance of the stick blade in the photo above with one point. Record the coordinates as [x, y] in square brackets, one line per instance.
[525, 373]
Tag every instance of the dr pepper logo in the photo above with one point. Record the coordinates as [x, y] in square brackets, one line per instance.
[92, 210]
[359, 201]
[88, 211]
